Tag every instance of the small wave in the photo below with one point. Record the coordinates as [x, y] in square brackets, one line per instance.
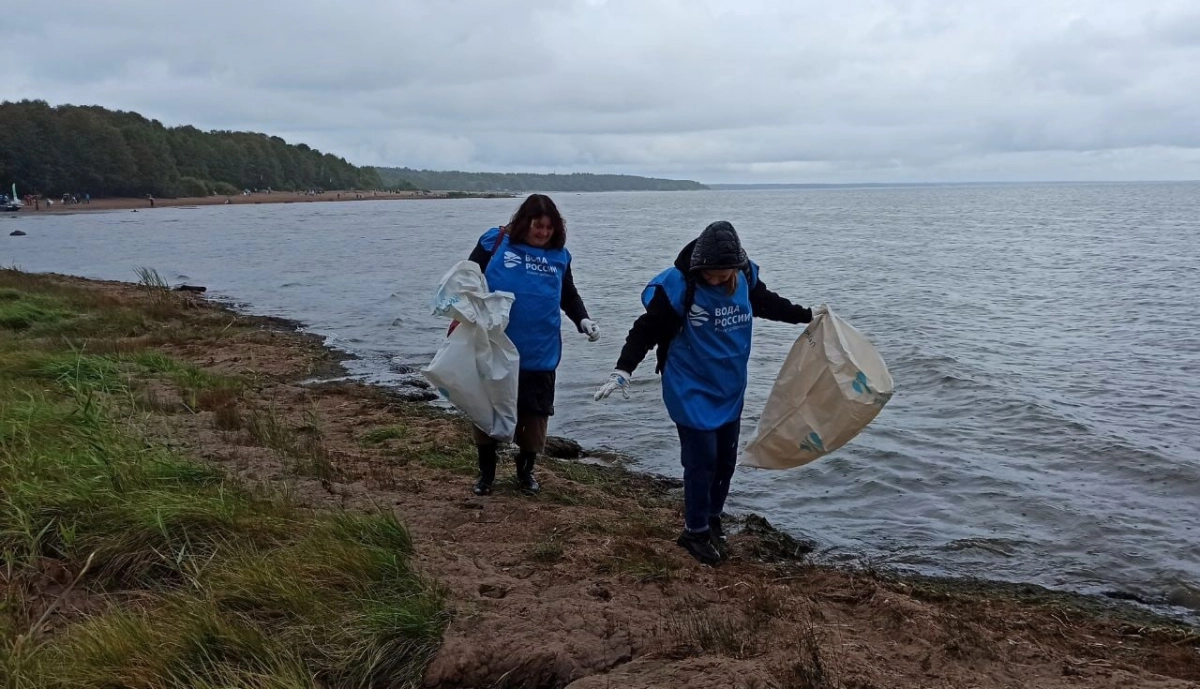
[996, 546]
[954, 381]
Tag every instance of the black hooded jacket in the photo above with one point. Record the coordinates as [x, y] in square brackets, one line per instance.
[660, 324]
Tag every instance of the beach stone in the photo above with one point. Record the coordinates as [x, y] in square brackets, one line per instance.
[598, 591]
[492, 591]
[1185, 597]
[191, 288]
[562, 448]
[1124, 595]
[414, 395]
[772, 544]
[413, 380]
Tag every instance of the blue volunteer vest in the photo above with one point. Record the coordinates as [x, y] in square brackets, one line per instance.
[704, 381]
[535, 276]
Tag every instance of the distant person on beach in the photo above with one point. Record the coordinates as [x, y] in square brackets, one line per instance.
[151, 198]
[533, 263]
[700, 315]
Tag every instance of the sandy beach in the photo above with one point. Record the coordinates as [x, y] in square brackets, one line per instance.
[121, 203]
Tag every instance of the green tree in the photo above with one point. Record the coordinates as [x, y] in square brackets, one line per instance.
[73, 149]
[524, 182]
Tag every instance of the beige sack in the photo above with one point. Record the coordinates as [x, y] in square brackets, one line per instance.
[833, 383]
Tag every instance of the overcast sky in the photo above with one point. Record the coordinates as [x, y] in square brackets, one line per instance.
[712, 90]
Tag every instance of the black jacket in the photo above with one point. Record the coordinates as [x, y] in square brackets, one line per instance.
[660, 324]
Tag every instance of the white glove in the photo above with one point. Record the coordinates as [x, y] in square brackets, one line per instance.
[617, 379]
[819, 311]
[590, 329]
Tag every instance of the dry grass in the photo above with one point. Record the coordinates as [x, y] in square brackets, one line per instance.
[637, 560]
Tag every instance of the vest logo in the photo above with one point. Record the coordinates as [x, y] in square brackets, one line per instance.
[539, 264]
[730, 318]
[697, 316]
[532, 263]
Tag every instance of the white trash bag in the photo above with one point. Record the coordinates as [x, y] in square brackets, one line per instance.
[832, 384]
[476, 367]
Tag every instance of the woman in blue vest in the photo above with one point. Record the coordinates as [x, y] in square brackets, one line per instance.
[528, 257]
[699, 313]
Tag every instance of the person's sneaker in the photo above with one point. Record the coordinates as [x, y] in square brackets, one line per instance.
[716, 531]
[482, 487]
[699, 545]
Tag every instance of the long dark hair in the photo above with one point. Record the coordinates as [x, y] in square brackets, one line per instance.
[532, 208]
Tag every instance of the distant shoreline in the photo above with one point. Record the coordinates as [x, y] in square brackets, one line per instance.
[884, 185]
[126, 203]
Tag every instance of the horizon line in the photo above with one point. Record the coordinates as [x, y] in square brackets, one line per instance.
[947, 183]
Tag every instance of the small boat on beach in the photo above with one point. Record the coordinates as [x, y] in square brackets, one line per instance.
[11, 203]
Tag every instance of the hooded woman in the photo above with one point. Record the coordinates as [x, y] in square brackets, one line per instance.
[529, 258]
[700, 315]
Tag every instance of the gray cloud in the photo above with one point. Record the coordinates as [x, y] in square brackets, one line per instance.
[717, 90]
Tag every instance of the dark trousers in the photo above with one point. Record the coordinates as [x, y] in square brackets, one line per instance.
[709, 459]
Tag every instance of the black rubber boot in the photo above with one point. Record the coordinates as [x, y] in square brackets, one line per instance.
[525, 462]
[700, 546]
[487, 470]
[716, 531]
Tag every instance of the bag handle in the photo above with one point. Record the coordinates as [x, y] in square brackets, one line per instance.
[500, 238]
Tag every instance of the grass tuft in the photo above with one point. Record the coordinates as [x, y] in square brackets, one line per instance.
[639, 560]
[378, 436]
[706, 632]
[22, 314]
[550, 548]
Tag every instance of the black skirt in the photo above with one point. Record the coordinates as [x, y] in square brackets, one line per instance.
[535, 393]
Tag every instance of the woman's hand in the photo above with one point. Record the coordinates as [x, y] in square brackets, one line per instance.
[590, 329]
[616, 380]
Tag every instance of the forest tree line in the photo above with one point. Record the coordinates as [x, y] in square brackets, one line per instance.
[528, 182]
[70, 149]
[73, 149]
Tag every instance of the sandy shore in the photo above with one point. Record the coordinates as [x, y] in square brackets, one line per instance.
[110, 204]
[583, 586]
